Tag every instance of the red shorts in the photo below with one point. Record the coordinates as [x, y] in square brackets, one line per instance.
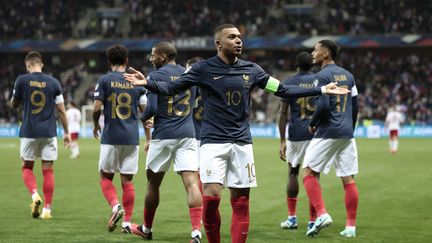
[74, 136]
[393, 133]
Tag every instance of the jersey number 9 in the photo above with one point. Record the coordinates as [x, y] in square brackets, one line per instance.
[37, 99]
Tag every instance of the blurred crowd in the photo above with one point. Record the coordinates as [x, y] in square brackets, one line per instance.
[57, 19]
[383, 76]
[382, 79]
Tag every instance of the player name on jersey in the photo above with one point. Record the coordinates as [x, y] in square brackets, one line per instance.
[121, 85]
[339, 78]
[37, 84]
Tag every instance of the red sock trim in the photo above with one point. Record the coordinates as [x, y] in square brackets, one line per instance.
[196, 216]
[48, 186]
[292, 205]
[240, 219]
[312, 212]
[211, 218]
[128, 199]
[313, 190]
[29, 179]
[109, 191]
[351, 203]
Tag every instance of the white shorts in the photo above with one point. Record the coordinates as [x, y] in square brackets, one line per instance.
[341, 153]
[119, 158]
[229, 164]
[198, 146]
[295, 152]
[183, 151]
[44, 148]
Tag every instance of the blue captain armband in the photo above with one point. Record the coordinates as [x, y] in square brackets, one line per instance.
[272, 85]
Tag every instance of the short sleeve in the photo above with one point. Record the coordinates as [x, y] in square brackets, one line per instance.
[354, 91]
[142, 96]
[99, 93]
[59, 89]
[16, 93]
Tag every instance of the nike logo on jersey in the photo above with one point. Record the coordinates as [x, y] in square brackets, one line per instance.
[217, 77]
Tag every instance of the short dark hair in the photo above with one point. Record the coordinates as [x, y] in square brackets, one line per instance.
[304, 61]
[117, 54]
[194, 60]
[33, 57]
[222, 27]
[331, 46]
[166, 48]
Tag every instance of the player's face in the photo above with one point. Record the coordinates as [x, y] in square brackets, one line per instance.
[156, 59]
[318, 54]
[231, 42]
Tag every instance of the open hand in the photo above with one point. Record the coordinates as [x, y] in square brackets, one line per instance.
[135, 77]
[332, 88]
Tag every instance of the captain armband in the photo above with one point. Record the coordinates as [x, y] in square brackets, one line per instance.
[272, 85]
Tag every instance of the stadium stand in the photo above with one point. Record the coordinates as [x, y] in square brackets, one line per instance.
[383, 74]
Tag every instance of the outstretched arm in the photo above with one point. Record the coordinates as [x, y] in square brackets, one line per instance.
[164, 88]
[292, 91]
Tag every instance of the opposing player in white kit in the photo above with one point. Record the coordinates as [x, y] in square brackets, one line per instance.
[393, 121]
[333, 144]
[74, 121]
[299, 137]
[120, 138]
[40, 95]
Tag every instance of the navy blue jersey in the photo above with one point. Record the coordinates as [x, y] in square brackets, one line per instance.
[172, 114]
[333, 116]
[301, 109]
[198, 113]
[37, 93]
[120, 101]
[225, 95]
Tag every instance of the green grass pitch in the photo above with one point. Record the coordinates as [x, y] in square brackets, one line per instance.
[395, 198]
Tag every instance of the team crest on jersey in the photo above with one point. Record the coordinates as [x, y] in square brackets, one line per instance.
[315, 83]
[208, 172]
[246, 81]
